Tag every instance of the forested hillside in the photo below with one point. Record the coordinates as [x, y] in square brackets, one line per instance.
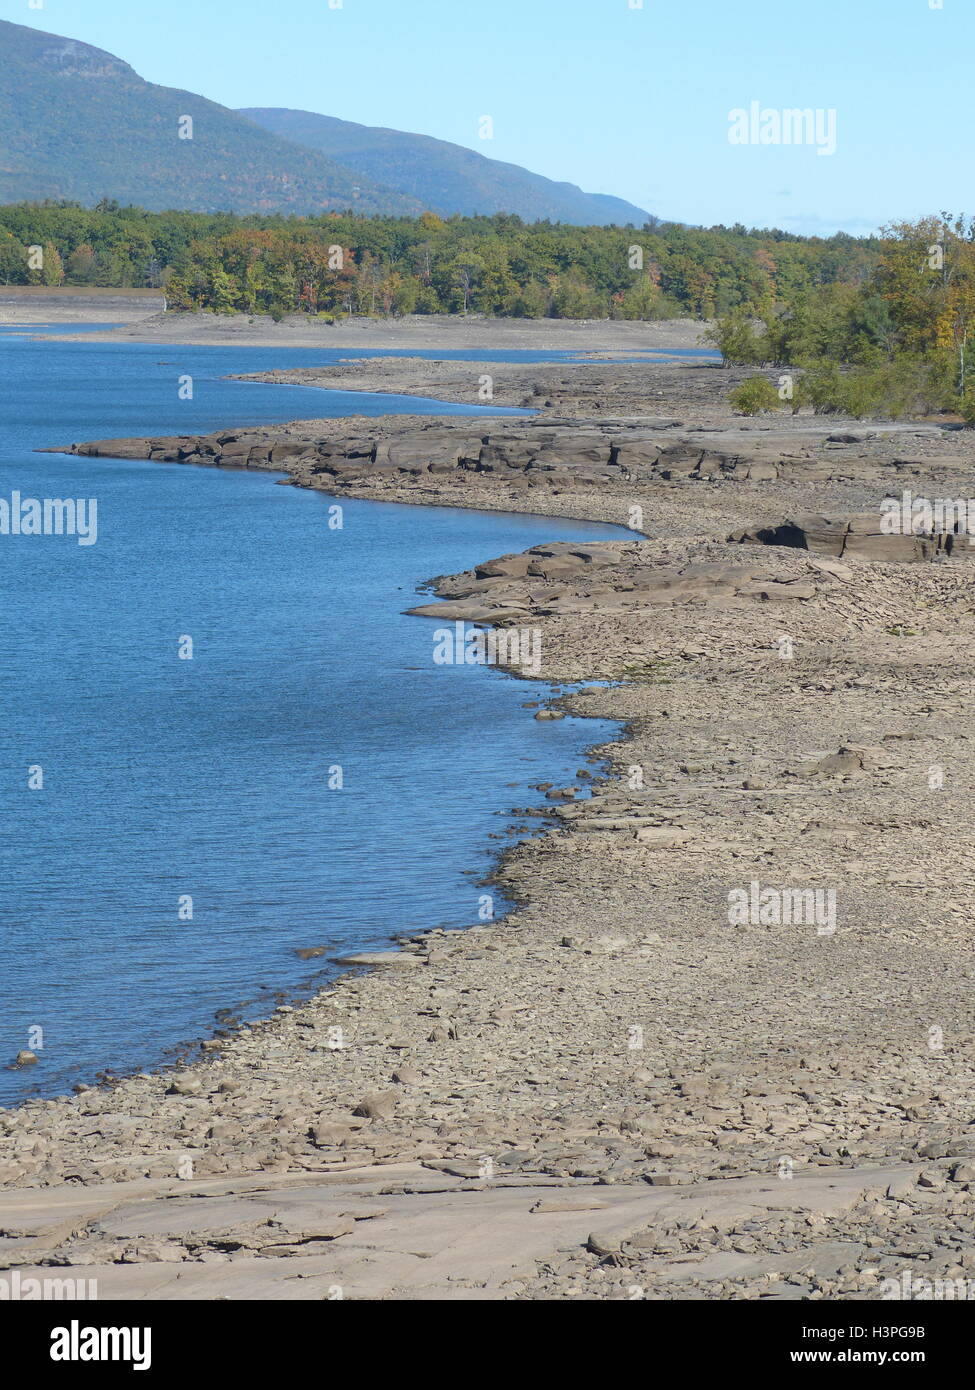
[340, 264]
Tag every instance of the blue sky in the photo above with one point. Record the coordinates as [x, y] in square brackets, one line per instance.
[629, 101]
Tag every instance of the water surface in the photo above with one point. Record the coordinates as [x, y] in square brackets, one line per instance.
[208, 779]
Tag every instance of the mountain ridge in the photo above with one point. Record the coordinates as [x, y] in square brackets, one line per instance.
[450, 179]
[79, 124]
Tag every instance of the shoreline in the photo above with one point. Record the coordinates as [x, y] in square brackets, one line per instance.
[439, 332]
[513, 1042]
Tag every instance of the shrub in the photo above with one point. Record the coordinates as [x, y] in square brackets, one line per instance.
[966, 406]
[823, 385]
[754, 395]
[905, 387]
[738, 341]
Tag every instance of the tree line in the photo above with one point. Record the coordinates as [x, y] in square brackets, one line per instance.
[898, 343]
[339, 264]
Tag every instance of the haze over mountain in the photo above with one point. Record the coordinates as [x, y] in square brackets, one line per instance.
[446, 178]
[78, 123]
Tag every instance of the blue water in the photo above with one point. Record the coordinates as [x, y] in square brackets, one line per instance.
[209, 778]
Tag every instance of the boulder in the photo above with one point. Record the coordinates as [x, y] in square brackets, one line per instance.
[847, 536]
[377, 1105]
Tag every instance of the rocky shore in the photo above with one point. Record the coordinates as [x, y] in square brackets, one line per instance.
[725, 1047]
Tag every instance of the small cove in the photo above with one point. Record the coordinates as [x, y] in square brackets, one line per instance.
[212, 779]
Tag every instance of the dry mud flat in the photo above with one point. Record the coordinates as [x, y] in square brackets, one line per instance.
[433, 332]
[626, 1085]
[35, 304]
[591, 388]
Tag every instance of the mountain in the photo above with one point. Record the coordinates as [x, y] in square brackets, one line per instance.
[77, 123]
[80, 124]
[445, 178]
